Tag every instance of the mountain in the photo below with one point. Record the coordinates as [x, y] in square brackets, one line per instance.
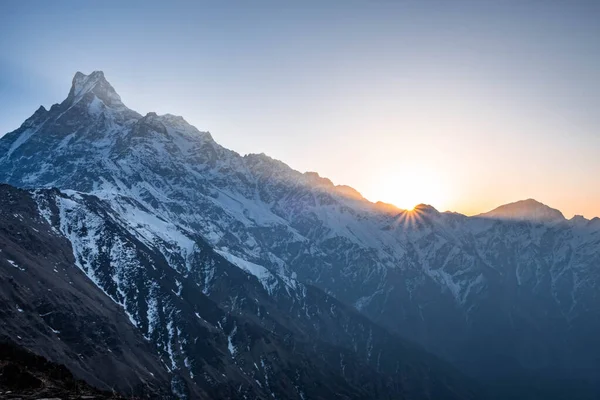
[53, 309]
[525, 210]
[128, 243]
[509, 301]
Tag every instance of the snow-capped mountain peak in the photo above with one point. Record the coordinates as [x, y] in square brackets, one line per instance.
[525, 210]
[96, 84]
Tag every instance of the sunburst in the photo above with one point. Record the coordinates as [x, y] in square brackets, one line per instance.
[409, 218]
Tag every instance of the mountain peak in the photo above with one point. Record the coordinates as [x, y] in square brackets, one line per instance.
[96, 84]
[349, 192]
[525, 210]
[425, 209]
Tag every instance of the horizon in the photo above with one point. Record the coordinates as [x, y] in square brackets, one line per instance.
[476, 133]
[346, 185]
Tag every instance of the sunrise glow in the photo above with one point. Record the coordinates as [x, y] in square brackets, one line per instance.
[463, 107]
[408, 187]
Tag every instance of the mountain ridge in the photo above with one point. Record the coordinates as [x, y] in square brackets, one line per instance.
[83, 84]
[138, 201]
[471, 290]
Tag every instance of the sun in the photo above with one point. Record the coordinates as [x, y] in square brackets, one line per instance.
[407, 188]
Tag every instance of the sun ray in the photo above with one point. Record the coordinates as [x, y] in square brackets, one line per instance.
[409, 218]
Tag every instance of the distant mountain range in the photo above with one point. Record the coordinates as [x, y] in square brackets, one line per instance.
[239, 277]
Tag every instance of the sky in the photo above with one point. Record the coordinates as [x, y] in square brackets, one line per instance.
[464, 105]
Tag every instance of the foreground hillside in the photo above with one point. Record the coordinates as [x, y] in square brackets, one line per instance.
[129, 311]
[24, 375]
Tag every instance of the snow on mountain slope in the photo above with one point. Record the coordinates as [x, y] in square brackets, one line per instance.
[49, 306]
[525, 210]
[437, 278]
[158, 273]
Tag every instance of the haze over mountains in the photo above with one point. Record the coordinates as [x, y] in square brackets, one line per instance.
[241, 277]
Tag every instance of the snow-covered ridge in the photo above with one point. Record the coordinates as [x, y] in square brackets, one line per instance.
[254, 205]
[167, 182]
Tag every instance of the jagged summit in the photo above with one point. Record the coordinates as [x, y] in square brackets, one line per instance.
[525, 210]
[96, 84]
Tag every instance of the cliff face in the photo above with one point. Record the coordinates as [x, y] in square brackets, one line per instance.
[51, 307]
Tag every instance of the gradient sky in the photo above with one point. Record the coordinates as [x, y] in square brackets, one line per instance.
[464, 105]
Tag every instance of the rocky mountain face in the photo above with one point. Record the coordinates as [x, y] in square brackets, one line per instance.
[53, 309]
[168, 223]
[129, 309]
[147, 287]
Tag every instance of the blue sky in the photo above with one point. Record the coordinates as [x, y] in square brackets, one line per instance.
[461, 104]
